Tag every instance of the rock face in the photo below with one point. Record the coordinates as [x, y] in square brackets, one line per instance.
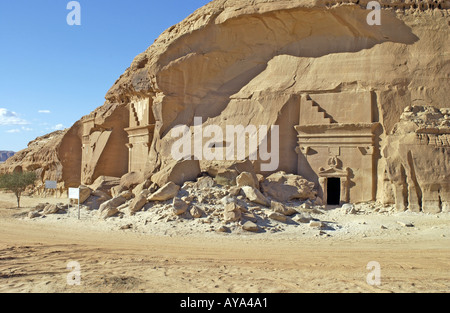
[418, 161]
[334, 86]
[42, 156]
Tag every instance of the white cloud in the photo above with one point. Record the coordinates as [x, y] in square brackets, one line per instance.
[8, 117]
[44, 111]
[17, 130]
[13, 131]
[58, 127]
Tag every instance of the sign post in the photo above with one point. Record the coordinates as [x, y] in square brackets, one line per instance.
[51, 184]
[74, 193]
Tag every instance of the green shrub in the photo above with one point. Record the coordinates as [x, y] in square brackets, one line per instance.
[17, 182]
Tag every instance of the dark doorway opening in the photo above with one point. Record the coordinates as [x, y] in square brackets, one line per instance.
[333, 191]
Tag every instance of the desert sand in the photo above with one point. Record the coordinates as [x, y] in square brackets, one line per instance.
[173, 257]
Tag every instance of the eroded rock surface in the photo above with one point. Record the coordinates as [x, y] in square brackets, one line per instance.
[314, 66]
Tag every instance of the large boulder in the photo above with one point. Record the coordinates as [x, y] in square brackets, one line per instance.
[278, 217]
[282, 209]
[204, 182]
[179, 206]
[166, 192]
[85, 193]
[109, 207]
[283, 187]
[226, 177]
[196, 212]
[105, 183]
[254, 195]
[117, 190]
[131, 180]
[232, 212]
[247, 179]
[138, 203]
[52, 209]
[251, 227]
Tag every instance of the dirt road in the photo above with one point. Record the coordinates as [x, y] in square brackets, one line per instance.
[34, 258]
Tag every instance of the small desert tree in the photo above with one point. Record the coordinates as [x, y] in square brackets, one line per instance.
[17, 182]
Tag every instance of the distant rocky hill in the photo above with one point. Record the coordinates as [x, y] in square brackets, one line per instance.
[5, 155]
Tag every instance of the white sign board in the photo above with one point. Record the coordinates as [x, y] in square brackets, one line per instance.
[74, 193]
[50, 184]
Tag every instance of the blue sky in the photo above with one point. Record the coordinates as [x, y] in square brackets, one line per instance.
[51, 73]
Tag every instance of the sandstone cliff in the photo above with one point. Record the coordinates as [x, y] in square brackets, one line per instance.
[237, 62]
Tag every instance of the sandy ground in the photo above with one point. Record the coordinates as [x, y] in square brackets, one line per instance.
[190, 256]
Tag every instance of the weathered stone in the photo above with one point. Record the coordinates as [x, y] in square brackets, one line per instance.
[196, 212]
[227, 199]
[127, 194]
[318, 201]
[204, 182]
[131, 180]
[138, 189]
[417, 171]
[250, 226]
[166, 192]
[126, 226]
[51, 209]
[232, 212]
[281, 208]
[223, 229]
[179, 206]
[101, 195]
[117, 190]
[316, 224]
[283, 187]
[247, 179]
[254, 195]
[85, 193]
[249, 216]
[348, 208]
[278, 217]
[108, 212]
[40, 207]
[305, 206]
[33, 214]
[226, 177]
[405, 224]
[105, 183]
[234, 191]
[138, 203]
[303, 218]
[109, 207]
